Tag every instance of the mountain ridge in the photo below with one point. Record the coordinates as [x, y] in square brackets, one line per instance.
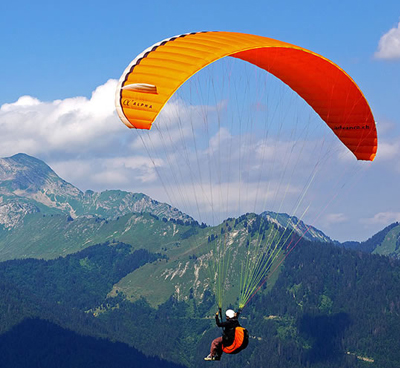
[28, 185]
[30, 189]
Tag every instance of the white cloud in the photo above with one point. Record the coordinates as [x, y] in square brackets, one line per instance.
[388, 150]
[78, 123]
[331, 219]
[389, 45]
[81, 138]
[84, 141]
[23, 101]
[385, 126]
[388, 153]
[382, 219]
[177, 122]
[214, 203]
[126, 172]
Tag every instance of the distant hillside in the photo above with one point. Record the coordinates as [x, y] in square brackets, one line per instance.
[386, 242]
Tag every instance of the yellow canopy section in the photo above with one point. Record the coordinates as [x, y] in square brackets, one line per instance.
[154, 76]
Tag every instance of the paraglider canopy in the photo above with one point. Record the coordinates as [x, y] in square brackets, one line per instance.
[218, 156]
[154, 76]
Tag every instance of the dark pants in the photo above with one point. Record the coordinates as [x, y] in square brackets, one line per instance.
[216, 347]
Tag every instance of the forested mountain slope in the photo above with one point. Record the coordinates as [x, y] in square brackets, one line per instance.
[329, 307]
[385, 242]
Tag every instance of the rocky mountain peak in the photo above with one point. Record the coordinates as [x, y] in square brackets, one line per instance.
[25, 175]
[28, 185]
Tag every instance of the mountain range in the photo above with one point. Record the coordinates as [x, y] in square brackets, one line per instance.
[31, 193]
[43, 216]
[33, 196]
[121, 267]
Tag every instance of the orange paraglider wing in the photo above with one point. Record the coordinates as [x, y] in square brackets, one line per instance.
[154, 76]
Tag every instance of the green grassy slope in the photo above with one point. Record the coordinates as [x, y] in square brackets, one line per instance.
[51, 236]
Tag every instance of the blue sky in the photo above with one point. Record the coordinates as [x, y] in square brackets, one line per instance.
[59, 62]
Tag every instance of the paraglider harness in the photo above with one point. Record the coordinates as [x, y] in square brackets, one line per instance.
[240, 341]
